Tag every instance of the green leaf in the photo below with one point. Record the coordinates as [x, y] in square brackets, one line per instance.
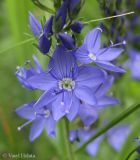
[133, 151]
[43, 7]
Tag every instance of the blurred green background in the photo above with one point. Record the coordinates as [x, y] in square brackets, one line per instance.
[14, 29]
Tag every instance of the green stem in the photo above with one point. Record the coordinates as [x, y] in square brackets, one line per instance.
[43, 7]
[115, 121]
[66, 147]
[110, 17]
[134, 150]
[17, 45]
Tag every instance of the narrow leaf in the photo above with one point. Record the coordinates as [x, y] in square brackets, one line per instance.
[134, 150]
[17, 45]
[43, 7]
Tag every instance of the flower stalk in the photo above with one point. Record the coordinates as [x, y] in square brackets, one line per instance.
[66, 147]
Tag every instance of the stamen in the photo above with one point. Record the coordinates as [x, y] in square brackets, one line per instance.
[47, 113]
[20, 72]
[111, 42]
[124, 42]
[86, 128]
[25, 124]
[67, 111]
[40, 114]
[62, 103]
[18, 68]
[28, 62]
[118, 44]
[66, 84]
[92, 56]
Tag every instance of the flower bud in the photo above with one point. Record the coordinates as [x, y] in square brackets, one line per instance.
[35, 26]
[44, 44]
[61, 17]
[67, 41]
[75, 7]
[48, 27]
[77, 27]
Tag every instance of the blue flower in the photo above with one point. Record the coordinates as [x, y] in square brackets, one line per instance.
[41, 119]
[69, 83]
[134, 63]
[77, 26]
[67, 41]
[90, 52]
[90, 113]
[43, 34]
[73, 135]
[24, 74]
[83, 135]
[116, 137]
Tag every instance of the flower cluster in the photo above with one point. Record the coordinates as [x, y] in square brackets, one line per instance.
[116, 29]
[77, 78]
[57, 25]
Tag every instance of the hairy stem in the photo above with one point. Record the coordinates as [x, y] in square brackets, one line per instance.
[115, 121]
[110, 17]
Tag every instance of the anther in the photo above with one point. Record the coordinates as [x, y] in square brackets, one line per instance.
[19, 128]
[92, 56]
[18, 68]
[25, 124]
[118, 44]
[62, 103]
[67, 111]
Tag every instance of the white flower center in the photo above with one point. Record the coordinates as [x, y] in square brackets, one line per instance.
[67, 84]
[47, 113]
[92, 56]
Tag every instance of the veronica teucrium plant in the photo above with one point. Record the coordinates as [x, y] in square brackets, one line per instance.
[76, 81]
